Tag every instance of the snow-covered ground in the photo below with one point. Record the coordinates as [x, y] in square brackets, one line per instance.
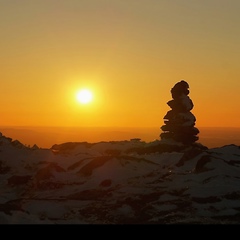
[119, 182]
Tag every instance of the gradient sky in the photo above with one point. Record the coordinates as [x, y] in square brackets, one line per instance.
[129, 52]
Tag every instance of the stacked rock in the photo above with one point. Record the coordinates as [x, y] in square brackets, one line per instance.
[179, 122]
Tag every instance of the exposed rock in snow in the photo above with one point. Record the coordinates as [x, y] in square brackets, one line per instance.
[125, 182]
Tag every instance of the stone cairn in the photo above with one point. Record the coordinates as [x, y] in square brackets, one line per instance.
[179, 122]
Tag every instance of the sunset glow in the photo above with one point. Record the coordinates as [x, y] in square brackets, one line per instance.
[130, 53]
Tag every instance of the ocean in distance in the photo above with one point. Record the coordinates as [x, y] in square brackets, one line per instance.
[45, 137]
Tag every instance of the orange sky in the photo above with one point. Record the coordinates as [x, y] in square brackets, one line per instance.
[129, 53]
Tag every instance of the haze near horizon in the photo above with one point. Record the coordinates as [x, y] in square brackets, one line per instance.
[46, 137]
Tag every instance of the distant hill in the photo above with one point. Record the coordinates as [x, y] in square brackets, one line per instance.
[45, 137]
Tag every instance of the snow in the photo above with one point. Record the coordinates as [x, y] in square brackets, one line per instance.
[106, 183]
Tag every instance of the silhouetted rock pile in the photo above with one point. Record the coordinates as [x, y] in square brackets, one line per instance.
[179, 122]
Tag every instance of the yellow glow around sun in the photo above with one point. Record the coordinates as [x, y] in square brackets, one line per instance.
[84, 96]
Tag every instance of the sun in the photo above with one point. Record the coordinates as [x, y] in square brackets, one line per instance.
[84, 96]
